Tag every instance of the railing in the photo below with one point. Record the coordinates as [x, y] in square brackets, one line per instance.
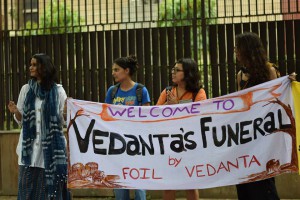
[84, 37]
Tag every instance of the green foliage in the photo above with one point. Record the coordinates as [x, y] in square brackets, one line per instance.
[56, 19]
[180, 12]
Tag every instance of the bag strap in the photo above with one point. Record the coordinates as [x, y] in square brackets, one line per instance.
[114, 91]
[138, 92]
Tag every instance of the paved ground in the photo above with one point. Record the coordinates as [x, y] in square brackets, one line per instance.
[98, 198]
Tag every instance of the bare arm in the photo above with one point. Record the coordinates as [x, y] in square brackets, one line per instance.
[273, 74]
[238, 80]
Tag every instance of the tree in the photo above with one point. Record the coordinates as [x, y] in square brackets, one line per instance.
[58, 18]
[180, 12]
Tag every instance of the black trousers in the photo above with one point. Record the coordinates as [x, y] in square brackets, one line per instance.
[259, 190]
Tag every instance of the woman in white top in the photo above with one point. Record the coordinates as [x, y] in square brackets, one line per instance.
[42, 145]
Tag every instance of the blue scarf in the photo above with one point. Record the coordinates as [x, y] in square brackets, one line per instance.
[53, 143]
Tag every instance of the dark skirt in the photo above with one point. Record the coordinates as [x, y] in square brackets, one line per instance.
[259, 190]
[32, 185]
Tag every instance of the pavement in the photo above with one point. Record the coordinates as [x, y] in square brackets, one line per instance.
[95, 198]
[112, 198]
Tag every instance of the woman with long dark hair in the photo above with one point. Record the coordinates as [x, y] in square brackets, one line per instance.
[42, 145]
[186, 88]
[256, 69]
[186, 84]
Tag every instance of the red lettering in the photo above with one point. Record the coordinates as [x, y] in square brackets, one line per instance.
[245, 161]
[230, 163]
[190, 173]
[141, 173]
[198, 171]
[208, 166]
[145, 172]
[222, 166]
[153, 175]
[254, 160]
[137, 173]
[124, 173]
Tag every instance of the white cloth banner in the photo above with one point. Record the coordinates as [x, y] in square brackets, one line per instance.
[241, 137]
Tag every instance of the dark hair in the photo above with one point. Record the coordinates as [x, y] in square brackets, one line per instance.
[191, 75]
[46, 70]
[253, 56]
[129, 62]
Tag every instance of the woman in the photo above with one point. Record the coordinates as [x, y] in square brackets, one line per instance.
[251, 54]
[187, 88]
[42, 145]
[127, 92]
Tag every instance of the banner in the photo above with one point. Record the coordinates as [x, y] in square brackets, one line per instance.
[242, 137]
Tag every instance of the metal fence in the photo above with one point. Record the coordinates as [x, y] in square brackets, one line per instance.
[84, 37]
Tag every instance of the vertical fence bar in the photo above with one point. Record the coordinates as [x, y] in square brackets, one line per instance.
[21, 64]
[124, 45]
[63, 61]
[272, 42]
[101, 68]
[28, 54]
[14, 70]
[289, 29]
[156, 69]
[263, 33]
[254, 27]
[2, 81]
[42, 43]
[7, 64]
[131, 41]
[71, 53]
[109, 61]
[147, 56]
[187, 42]
[93, 58]
[214, 60]
[49, 45]
[204, 42]
[281, 47]
[195, 34]
[179, 42]
[163, 58]
[79, 82]
[230, 58]
[86, 66]
[116, 44]
[246, 27]
[171, 45]
[140, 55]
[222, 59]
[297, 47]
[171, 49]
[57, 55]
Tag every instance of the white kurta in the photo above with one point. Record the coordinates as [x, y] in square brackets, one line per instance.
[37, 157]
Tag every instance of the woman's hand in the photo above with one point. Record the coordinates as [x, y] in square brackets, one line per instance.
[12, 107]
[171, 98]
[292, 76]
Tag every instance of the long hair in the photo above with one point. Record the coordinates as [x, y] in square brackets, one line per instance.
[129, 62]
[253, 56]
[191, 75]
[46, 70]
